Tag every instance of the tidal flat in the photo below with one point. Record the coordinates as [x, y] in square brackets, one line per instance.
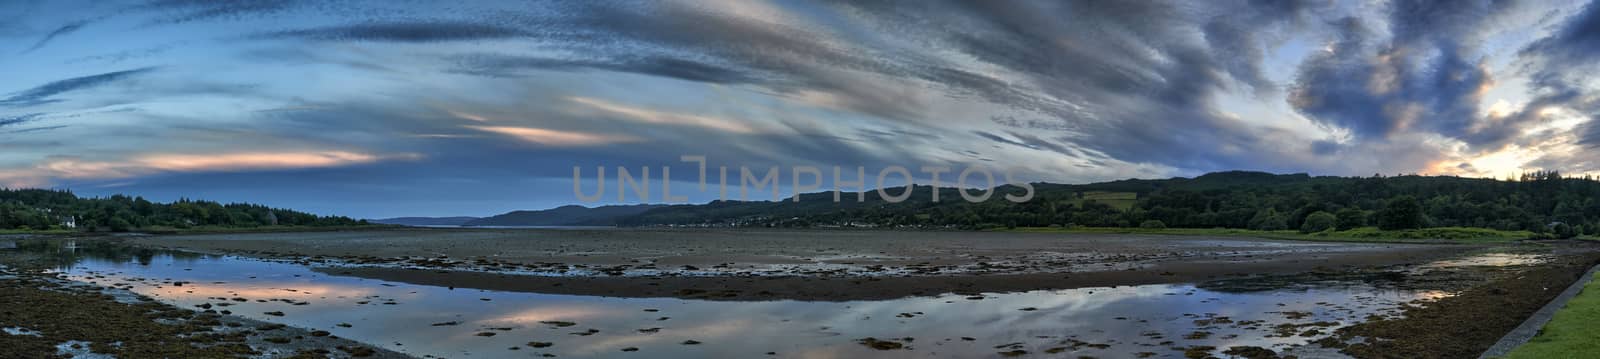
[805, 294]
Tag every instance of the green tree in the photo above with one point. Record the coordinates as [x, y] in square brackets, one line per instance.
[1403, 212]
[1318, 221]
[1269, 220]
[118, 224]
[1564, 231]
[1350, 218]
[1153, 224]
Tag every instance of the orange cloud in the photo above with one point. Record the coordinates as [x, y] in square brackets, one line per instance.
[238, 161]
[72, 168]
[554, 137]
[660, 117]
[468, 116]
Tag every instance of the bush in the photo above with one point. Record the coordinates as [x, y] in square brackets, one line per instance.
[1564, 231]
[1318, 221]
[1350, 218]
[1153, 224]
[1404, 212]
[120, 225]
[1269, 220]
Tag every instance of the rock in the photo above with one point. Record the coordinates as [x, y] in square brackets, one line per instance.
[875, 343]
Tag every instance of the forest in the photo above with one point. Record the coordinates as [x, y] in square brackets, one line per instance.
[1541, 202]
[37, 209]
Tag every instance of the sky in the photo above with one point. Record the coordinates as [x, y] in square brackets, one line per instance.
[424, 108]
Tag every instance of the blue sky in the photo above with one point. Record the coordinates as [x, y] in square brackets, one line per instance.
[390, 108]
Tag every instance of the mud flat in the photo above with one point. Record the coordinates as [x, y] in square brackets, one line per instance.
[1206, 297]
[46, 316]
[804, 265]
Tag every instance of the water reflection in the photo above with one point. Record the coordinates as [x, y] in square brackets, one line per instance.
[62, 253]
[438, 321]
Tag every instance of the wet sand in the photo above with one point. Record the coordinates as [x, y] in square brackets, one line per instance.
[802, 265]
[1473, 292]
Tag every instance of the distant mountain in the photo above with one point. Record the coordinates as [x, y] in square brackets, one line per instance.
[571, 215]
[426, 221]
[1535, 201]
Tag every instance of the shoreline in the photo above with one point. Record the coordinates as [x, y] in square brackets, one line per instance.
[1199, 260]
[56, 316]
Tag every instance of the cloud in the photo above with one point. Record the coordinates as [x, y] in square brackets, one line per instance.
[1424, 78]
[184, 11]
[417, 32]
[148, 164]
[557, 138]
[37, 129]
[1069, 91]
[1560, 66]
[17, 120]
[42, 94]
[664, 118]
[59, 31]
[499, 65]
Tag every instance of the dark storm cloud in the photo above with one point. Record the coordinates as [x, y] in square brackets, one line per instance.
[1324, 147]
[427, 31]
[1560, 64]
[1332, 86]
[1093, 75]
[43, 93]
[1425, 76]
[1102, 81]
[1575, 43]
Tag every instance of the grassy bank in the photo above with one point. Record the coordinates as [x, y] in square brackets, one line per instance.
[1572, 333]
[1364, 234]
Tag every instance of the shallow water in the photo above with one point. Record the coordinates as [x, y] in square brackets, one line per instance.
[1159, 319]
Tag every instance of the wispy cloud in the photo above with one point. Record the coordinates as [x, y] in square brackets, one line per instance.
[184, 11]
[148, 164]
[644, 115]
[557, 138]
[58, 32]
[17, 120]
[42, 94]
[433, 31]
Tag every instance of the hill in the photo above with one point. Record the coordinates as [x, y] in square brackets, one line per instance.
[37, 209]
[1539, 201]
[426, 221]
[571, 215]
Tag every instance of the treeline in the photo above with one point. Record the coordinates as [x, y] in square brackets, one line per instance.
[33, 209]
[1542, 202]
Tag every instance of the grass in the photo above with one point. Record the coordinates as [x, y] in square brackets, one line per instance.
[1122, 201]
[1364, 234]
[1572, 333]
